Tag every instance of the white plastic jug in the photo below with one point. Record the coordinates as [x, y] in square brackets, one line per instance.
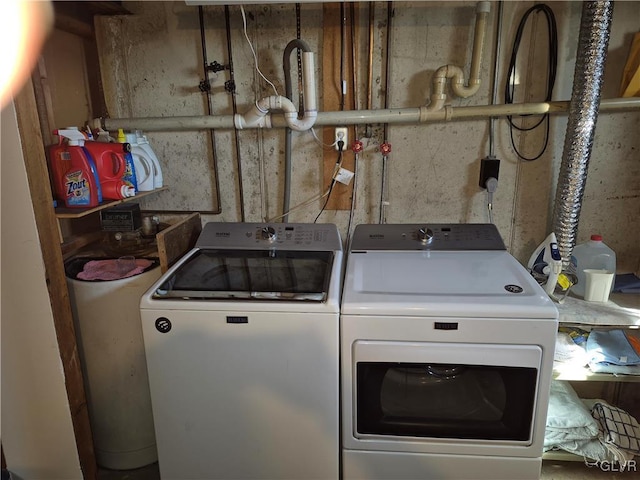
[143, 165]
[157, 171]
[594, 254]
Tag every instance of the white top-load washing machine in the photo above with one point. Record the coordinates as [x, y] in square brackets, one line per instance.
[447, 347]
[241, 342]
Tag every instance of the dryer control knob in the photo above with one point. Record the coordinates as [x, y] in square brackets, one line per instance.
[425, 235]
[268, 233]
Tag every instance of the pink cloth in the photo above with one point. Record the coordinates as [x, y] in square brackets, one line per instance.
[109, 270]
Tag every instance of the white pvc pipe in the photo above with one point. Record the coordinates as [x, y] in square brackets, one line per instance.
[309, 79]
[360, 117]
[259, 115]
[455, 74]
[478, 42]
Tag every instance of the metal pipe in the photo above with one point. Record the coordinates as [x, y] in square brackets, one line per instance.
[383, 187]
[367, 130]
[411, 115]
[212, 138]
[354, 56]
[370, 57]
[234, 105]
[494, 87]
[593, 42]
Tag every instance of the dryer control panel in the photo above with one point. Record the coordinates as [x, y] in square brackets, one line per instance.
[281, 236]
[443, 237]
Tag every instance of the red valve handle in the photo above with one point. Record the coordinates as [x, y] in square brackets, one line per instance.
[357, 146]
[385, 148]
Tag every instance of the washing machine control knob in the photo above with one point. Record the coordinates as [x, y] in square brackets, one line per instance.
[268, 233]
[425, 235]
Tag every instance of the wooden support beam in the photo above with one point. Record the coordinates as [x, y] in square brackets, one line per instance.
[336, 51]
[47, 225]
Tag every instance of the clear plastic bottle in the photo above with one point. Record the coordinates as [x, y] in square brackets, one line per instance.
[592, 254]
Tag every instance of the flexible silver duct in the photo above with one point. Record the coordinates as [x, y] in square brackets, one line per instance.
[593, 42]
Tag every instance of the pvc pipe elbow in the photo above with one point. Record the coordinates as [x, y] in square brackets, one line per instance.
[291, 115]
[282, 103]
[437, 102]
[304, 123]
[457, 83]
[461, 91]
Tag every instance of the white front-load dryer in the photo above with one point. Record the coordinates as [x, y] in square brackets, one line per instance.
[447, 352]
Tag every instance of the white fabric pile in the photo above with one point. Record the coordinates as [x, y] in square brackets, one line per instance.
[568, 353]
[590, 428]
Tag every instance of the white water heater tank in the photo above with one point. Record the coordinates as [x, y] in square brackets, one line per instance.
[111, 347]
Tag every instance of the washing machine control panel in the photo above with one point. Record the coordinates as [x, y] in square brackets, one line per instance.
[268, 233]
[291, 236]
[425, 234]
[464, 236]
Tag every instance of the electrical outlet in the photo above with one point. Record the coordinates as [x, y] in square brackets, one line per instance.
[489, 167]
[341, 134]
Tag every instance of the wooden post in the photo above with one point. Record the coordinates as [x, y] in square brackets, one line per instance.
[332, 51]
[47, 225]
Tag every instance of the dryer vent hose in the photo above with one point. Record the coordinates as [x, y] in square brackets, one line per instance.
[593, 42]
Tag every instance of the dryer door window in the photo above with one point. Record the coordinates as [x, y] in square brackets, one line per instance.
[440, 400]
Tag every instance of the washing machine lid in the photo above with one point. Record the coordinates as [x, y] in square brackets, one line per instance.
[257, 262]
[250, 275]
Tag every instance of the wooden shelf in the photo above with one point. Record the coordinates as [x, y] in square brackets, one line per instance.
[62, 212]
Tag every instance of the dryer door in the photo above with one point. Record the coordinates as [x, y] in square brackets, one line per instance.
[445, 391]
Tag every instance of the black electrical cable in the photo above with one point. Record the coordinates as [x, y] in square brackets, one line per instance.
[552, 65]
[333, 180]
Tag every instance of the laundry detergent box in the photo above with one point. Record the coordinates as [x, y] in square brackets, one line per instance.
[125, 217]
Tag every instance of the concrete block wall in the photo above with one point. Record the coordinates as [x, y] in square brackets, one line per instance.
[152, 63]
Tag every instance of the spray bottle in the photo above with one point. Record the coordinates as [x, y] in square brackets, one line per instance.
[75, 175]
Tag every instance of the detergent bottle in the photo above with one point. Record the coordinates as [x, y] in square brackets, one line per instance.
[131, 174]
[592, 254]
[75, 175]
[117, 189]
[111, 161]
[143, 164]
[157, 171]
